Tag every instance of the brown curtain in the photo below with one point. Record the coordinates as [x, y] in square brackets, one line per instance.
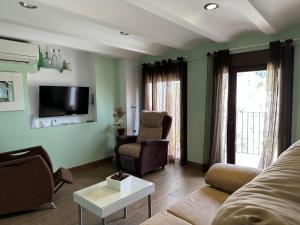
[218, 132]
[164, 87]
[208, 112]
[277, 124]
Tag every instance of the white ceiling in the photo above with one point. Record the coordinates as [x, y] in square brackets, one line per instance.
[154, 25]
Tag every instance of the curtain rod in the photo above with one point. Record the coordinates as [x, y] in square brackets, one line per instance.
[231, 49]
[260, 44]
[174, 58]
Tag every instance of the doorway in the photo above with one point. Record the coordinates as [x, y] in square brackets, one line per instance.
[250, 116]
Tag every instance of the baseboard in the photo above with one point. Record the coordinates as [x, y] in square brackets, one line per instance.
[195, 164]
[91, 164]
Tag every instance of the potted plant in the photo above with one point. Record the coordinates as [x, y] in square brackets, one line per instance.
[119, 181]
[119, 121]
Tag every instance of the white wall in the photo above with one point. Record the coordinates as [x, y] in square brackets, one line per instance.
[82, 74]
[129, 84]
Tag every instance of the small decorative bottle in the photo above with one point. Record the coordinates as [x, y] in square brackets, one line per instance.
[47, 61]
[64, 65]
[59, 60]
[40, 62]
[54, 60]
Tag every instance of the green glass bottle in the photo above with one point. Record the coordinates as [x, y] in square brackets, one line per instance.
[40, 62]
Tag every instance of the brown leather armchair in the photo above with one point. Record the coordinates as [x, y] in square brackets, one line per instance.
[147, 151]
[27, 180]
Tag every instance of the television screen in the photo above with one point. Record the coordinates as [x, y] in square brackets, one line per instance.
[61, 101]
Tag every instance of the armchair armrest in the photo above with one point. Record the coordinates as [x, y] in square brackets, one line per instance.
[26, 152]
[230, 177]
[26, 183]
[19, 152]
[156, 142]
[122, 140]
[17, 162]
[153, 154]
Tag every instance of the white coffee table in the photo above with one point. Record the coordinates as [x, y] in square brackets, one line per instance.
[103, 201]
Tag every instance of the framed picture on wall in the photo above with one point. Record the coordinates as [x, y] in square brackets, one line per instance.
[11, 91]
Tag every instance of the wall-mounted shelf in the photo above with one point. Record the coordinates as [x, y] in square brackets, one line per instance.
[52, 68]
[50, 122]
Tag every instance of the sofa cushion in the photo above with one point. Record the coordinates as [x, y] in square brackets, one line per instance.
[199, 207]
[165, 218]
[272, 198]
[132, 150]
[229, 177]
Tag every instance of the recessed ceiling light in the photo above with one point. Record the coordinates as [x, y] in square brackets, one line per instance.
[211, 6]
[124, 33]
[27, 5]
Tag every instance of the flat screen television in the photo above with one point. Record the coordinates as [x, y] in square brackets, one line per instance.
[61, 101]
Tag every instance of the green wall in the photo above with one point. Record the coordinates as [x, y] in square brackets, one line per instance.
[197, 67]
[70, 145]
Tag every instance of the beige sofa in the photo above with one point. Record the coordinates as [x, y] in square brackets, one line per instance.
[268, 197]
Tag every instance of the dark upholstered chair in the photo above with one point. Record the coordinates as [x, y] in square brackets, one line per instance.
[147, 151]
[27, 180]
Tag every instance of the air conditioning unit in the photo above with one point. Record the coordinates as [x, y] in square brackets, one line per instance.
[14, 51]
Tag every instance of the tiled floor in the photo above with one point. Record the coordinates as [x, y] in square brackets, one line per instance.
[172, 184]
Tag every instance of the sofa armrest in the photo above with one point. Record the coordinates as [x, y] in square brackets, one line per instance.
[157, 142]
[26, 183]
[230, 177]
[122, 140]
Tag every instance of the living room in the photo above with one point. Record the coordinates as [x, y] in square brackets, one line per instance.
[188, 103]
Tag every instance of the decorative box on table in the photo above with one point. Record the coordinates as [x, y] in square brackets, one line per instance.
[119, 181]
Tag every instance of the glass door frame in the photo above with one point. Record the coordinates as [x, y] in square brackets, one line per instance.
[231, 108]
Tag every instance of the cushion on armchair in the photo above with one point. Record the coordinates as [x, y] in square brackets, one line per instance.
[132, 150]
[149, 133]
[151, 126]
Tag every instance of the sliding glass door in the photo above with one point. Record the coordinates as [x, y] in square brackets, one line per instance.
[250, 116]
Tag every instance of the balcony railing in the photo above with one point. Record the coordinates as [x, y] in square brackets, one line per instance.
[249, 132]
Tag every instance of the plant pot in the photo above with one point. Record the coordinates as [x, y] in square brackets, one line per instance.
[120, 131]
[119, 185]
